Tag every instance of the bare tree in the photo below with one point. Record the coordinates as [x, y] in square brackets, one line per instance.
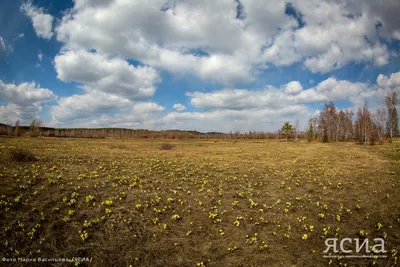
[364, 124]
[379, 119]
[34, 128]
[9, 130]
[17, 128]
[296, 130]
[327, 123]
[392, 124]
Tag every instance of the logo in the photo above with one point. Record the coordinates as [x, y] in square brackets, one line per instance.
[354, 248]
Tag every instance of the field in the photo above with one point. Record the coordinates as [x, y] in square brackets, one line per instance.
[201, 203]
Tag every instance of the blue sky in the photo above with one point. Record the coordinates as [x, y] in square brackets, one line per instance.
[193, 65]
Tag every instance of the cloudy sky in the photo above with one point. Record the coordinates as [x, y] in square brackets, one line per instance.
[207, 65]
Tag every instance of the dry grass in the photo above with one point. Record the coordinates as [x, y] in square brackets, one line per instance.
[223, 203]
[22, 155]
[166, 146]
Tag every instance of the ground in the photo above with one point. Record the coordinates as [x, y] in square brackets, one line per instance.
[201, 203]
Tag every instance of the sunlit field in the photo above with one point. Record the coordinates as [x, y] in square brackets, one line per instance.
[197, 202]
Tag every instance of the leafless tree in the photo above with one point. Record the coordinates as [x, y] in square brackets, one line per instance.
[364, 124]
[392, 124]
[34, 128]
[379, 119]
[327, 123]
[17, 128]
[344, 125]
[296, 130]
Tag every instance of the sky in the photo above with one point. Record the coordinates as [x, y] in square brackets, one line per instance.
[226, 65]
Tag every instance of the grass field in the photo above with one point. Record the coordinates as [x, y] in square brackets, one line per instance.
[201, 203]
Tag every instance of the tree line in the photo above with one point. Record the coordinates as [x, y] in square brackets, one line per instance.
[365, 126]
[332, 124]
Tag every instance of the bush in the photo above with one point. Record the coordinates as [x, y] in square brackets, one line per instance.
[166, 146]
[22, 155]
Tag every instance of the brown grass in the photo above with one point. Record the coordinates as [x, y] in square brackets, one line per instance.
[166, 146]
[123, 198]
[22, 155]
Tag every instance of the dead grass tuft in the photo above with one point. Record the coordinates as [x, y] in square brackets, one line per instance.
[166, 146]
[22, 155]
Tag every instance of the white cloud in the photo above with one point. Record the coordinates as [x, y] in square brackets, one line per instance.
[143, 115]
[333, 36]
[330, 89]
[257, 119]
[18, 36]
[392, 82]
[179, 107]
[293, 87]
[335, 90]
[5, 49]
[86, 106]
[267, 109]
[224, 110]
[25, 101]
[205, 38]
[110, 75]
[40, 56]
[396, 34]
[2, 46]
[98, 109]
[146, 107]
[42, 22]
[25, 93]
[386, 12]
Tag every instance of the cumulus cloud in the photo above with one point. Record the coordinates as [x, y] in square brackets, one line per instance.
[224, 110]
[265, 109]
[335, 90]
[25, 101]
[293, 87]
[109, 75]
[386, 12]
[25, 93]
[98, 109]
[392, 82]
[330, 89]
[226, 42]
[86, 106]
[146, 107]
[179, 107]
[224, 120]
[209, 40]
[42, 22]
[144, 115]
[334, 34]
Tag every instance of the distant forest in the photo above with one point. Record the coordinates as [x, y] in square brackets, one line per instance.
[331, 125]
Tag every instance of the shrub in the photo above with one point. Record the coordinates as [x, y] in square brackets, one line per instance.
[22, 155]
[166, 146]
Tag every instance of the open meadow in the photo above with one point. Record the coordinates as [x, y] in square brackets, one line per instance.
[197, 203]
